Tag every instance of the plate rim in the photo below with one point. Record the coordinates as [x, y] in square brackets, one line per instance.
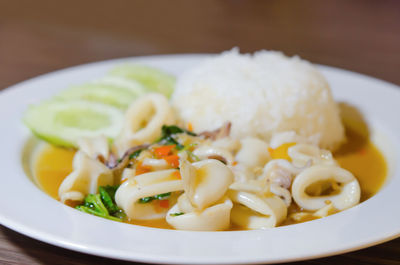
[24, 229]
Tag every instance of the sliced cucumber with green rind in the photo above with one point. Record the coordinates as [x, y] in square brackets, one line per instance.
[114, 91]
[153, 79]
[132, 85]
[64, 122]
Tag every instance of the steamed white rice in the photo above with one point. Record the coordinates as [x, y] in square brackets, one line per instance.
[261, 94]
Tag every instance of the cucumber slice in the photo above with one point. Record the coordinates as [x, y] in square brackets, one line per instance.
[64, 122]
[114, 91]
[133, 86]
[153, 79]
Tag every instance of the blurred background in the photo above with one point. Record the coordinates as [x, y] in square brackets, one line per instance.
[41, 36]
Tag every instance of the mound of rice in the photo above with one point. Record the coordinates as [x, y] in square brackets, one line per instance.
[260, 94]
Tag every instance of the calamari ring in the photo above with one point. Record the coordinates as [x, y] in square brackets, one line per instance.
[348, 196]
[266, 211]
[213, 218]
[143, 121]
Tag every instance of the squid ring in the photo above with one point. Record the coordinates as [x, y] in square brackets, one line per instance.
[213, 218]
[143, 121]
[348, 196]
[145, 185]
[266, 211]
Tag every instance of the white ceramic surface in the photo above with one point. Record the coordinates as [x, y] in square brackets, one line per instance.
[26, 209]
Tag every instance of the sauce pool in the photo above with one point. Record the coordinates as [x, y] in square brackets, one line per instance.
[51, 168]
[365, 161]
[358, 155]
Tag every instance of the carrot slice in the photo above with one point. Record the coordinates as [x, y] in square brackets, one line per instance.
[140, 169]
[164, 203]
[172, 160]
[164, 150]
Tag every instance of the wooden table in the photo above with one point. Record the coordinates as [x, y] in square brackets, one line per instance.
[37, 37]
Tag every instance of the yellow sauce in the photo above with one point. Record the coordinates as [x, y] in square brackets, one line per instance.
[365, 161]
[358, 155]
[159, 223]
[52, 166]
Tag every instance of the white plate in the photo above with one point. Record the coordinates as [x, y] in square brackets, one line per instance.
[26, 209]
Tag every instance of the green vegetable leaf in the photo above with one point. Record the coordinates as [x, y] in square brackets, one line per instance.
[103, 204]
[85, 209]
[162, 196]
[167, 135]
[173, 129]
[106, 196]
[167, 130]
[93, 201]
[176, 214]
[111, 190]
[146, 199]
[135, 154]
